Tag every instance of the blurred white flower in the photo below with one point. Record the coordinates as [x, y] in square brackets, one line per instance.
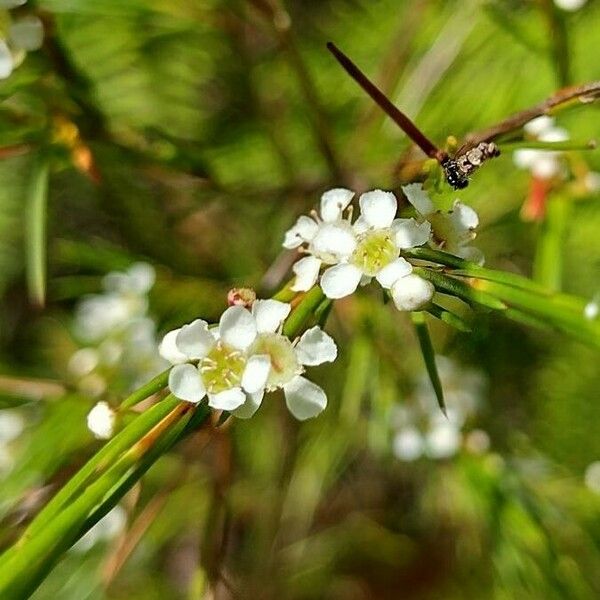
[101, 421]
[592, 309]
[570, 5]
[453, 231]
[408, 444]
[421, 428]
[543, 164]
[443, 440]
[6, 60]
[26, 33]
[109, 527]
[11, 425]
[244, 357]
[477, 441]
[592, 476]
[83, 361]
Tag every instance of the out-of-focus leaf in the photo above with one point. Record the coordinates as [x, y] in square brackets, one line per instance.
[35, 231]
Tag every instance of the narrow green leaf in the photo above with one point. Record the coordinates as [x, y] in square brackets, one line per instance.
[460, 289]
[553, 312]
[418, 319]
[101, 460]
[152, 387]
[448, 317]
[24, 570]
[35, 230]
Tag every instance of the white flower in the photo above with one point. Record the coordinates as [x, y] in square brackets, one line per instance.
[101, 421]
[328, 236]
[6, 60]
[379, 239]
[570, 5]
[224, 372]
[453, 231]
[303, 398]
[592, 309]
[368, 248]
[11, 426]
[408, 444]
[246, 356]
[592, 476]
[543, 164]
[443, 440]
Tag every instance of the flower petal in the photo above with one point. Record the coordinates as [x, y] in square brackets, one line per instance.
[256, 373]
[6, 60]
[539, 125]
[195, 340]
[473, 254]
[185, 383]
[237, 327]
[227, 400]
[411, 292]
[168, 348]
[333, 202]
[340, 280]
[360, 225]
[304, 398]
[391, 273]
[464, 216]
[270, 314]
[307, 273]
[316, 347]
[334, 242]
[250, 406]
[418, 197]
[303, 231]
[378, 208]
[408, 233]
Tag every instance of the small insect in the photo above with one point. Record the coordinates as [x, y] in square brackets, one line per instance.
[479, 147]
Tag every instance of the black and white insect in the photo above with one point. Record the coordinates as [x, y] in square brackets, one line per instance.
[479, 147]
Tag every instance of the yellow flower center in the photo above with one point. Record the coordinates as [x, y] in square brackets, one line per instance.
[375, 250]
[284, 363]
[222, 368]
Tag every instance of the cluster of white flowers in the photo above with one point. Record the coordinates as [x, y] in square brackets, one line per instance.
[422, 430]
[120, 341]
[543, 164]
[353, 253]
[11, 427]
[19, 37]
[234, 364]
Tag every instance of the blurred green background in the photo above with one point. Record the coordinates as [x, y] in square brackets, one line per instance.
[190, 134]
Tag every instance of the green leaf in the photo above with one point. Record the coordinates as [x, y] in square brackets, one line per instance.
[418, 319]
[460, 289]
[448, 317]
[35, 225]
